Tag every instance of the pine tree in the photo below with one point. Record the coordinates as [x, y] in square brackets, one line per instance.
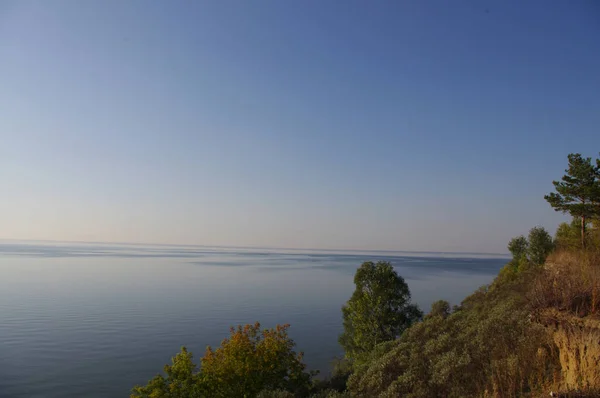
[578, 192]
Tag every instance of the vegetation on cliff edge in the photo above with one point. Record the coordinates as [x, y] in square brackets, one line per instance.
[497, 343]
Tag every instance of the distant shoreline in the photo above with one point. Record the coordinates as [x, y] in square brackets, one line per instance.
[267, 249]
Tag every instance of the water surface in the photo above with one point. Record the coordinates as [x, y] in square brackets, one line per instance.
[95, 319]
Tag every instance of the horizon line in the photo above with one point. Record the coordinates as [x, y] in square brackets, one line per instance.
[249, 247]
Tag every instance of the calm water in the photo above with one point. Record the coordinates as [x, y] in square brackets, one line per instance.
[93, 320]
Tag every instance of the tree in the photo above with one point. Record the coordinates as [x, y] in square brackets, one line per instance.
[540, 245]
[378, 311]
[182, 381]
[578, 192]
[251, 361]
[567, 234]
[518, 247]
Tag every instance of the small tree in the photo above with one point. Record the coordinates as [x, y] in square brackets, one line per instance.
[518, 247]
[578, 192]
[540, 245]
[249, 362]
[378, 311]
[252, 360]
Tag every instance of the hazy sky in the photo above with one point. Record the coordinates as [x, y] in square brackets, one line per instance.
[402, 125]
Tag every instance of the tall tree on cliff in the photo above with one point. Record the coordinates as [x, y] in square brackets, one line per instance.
[578, 192]
[378, 311]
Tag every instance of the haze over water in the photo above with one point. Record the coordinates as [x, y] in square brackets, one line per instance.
[423, 125]
[95, 319]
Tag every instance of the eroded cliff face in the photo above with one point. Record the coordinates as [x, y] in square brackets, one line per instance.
[578, 342]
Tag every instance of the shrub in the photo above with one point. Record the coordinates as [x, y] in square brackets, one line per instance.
[341, 371]
[570, 282]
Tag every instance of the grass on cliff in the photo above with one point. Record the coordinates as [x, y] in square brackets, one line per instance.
[569, 283]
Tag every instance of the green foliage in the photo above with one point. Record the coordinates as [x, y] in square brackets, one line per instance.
[485, 348]
[533, 249]
[491, 345]
[567, 235]
[440, 308]
[540, 245]
[578, 192]
[331, 394]
[341, 370]
[181, 381]
[249, 362]
[518, 247]
[378, 311]
[275, 394]
[512, 270]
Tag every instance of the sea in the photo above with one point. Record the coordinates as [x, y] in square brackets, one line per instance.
[93, 320]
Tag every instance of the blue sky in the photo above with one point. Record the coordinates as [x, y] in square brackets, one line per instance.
[398, 125]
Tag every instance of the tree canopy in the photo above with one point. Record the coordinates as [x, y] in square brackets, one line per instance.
[247, 363]
[530, 250]
[578, 192]
[540, 245]
[378, 311]
[518, 247]
[252, 360]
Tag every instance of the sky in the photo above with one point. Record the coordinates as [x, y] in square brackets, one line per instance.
[380, 125]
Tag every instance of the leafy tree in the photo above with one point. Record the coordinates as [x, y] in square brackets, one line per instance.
[518, 247]
[252, 360]
[568, 234]
[540, 245]
[249, 362]
[181, 381]
[578, 192]
[378, 311]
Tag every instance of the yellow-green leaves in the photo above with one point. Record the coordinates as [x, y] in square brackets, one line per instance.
[249, 361]
[252, 360]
